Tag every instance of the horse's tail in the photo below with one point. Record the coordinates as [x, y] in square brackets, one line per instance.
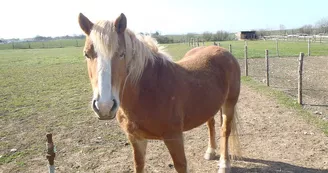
[234, 146]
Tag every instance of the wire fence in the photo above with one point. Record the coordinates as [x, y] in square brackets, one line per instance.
[306, 83]
[43, 44]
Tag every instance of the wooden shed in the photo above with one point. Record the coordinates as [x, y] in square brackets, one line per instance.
[246, 35]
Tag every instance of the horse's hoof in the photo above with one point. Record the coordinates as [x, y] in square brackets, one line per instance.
[209, 156]
[224, 167]
[224, 170]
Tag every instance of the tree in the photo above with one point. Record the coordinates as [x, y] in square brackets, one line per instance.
[207, 36]
[190, 35]
[282, 29]
[161, 39]
[322, 25]
[306, 29]
[221, 36]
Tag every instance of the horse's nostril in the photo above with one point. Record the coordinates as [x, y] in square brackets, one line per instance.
[114, 105]
[94, 107]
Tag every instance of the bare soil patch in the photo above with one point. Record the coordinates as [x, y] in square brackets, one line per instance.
[273, 138]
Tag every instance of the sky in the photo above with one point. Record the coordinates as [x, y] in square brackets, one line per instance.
[29, 18]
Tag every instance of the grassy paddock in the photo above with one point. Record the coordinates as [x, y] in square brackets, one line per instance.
[44, 44]
[255, 48]
[47, 90]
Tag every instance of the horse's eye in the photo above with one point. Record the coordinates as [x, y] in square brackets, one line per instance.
[122, 55]
[86, 55]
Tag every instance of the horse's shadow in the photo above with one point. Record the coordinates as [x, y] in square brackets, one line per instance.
[266, 166]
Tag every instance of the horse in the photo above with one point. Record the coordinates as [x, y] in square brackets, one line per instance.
[152, 97]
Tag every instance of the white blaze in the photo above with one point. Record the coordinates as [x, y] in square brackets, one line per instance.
[104, 80]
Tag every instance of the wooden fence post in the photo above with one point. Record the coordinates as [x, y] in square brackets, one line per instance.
[230, 48]
[277, 48]
[219, 44]
[300, 72]
[267, 66]
[246, 61]
[309, 53]
[51, 153]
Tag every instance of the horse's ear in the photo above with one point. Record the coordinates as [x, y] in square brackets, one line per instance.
[120, 23]
[85, 24]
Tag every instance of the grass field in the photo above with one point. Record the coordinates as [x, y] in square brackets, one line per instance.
[42, 90]
[49, 90]
[46, 44]
[255, 48]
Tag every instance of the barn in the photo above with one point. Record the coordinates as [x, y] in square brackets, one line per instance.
[246, 35]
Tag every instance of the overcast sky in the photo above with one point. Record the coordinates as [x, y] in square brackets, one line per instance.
[28, 18]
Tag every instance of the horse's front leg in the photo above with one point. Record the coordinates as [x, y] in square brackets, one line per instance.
[139, 147]
[174, 143]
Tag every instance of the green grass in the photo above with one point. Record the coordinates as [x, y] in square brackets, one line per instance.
[30, 76]
[46, 44]
[256, 49]
[42, 90]
[288, 102]
[12, 156]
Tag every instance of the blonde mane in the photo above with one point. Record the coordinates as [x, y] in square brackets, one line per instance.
[140, 49]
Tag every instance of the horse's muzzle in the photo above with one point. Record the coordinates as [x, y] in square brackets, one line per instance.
[105, 111]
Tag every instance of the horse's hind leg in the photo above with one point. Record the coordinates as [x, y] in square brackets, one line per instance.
[139, 147]
[210, 152]
[226, 128]
[174, 143]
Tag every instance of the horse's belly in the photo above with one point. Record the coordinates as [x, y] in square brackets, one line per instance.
[197, 112]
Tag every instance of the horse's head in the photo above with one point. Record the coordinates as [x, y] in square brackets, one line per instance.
[105, 52]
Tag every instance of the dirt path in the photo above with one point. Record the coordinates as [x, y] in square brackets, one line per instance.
[273, 139]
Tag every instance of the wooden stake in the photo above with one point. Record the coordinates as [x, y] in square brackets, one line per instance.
[230, 48]
[309, 53]
[50, 153]
[277, 48]
[300, 72]
[246, 61]
[267, 66]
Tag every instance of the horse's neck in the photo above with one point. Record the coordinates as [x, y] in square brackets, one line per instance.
[157, 79]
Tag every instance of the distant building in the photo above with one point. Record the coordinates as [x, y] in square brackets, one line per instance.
[246, 35]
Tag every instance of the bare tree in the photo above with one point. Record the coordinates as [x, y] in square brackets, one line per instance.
[306, 29]
[322, 25]
[262, 33]
[282, 29]
[207, 36]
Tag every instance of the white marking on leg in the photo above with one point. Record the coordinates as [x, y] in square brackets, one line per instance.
[209, 154]
[224, 164]
[210, 150]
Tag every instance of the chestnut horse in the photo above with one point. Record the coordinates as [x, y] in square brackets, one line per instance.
[152, 97]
